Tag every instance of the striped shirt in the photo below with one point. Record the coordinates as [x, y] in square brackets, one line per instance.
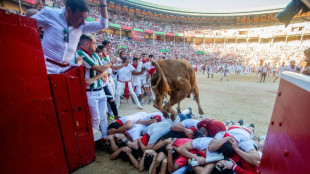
[88, 63]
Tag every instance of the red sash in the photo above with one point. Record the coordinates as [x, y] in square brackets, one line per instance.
[126, 87]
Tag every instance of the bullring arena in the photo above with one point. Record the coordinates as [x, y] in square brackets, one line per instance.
[155, 86]
[241, 98]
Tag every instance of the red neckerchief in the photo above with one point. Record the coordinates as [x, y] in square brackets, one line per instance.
[89, 53]
[135, 66]
[144, 61]
[119, 121]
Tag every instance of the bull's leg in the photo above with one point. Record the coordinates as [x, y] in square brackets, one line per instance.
[196, 94]
[176, 96]
[179, 107]
[158, 104]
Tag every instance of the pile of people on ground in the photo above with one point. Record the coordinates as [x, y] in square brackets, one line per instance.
[151, 142]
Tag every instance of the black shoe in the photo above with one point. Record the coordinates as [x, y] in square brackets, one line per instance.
[252, 125]
[100, 145]
[240, 122]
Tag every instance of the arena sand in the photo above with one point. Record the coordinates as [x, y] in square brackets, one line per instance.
[243, 97]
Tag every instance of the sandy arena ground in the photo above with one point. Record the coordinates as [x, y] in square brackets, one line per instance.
[243, 97]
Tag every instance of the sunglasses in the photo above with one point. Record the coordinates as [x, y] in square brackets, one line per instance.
[66, 38]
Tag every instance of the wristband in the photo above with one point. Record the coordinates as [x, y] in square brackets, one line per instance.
[126, 141]
[233, 166]
[103, 5]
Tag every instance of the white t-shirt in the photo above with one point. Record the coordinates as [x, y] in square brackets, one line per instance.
[289, 68]
[242, 136]
[135, 80]
[157, 130]
[147, 65]
[149, 116]
[202, 144]
[134, 117]
[281, 69]
[265, 69]
[190, 123]
[124, 74]
[136, 131]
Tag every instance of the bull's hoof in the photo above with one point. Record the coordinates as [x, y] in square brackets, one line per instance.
[166, 114]
[173, 114]
[201, 112]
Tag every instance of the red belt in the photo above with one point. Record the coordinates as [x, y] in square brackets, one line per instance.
[58, 64]
[126, 87]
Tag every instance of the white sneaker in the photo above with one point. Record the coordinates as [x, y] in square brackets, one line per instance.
[214, 158]
[193, 163]
[139, 107]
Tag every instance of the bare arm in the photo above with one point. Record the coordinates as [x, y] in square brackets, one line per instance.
[215, 144]
[103, 75]
[185, 148]
[180, 128]
[137, 73]
[104, 10]
[143, 147]
[134, 161]
[141, 165]
[113, 145]
[128, 125]
[39, 4]
[117, 67]
[102, 68]
[115, 154]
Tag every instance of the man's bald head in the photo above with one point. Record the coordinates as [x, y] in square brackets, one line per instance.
[31, 12]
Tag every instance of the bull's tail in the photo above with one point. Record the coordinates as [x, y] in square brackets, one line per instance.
[161, 85]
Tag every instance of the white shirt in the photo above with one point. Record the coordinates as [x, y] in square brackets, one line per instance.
[242, 136]
[149, 116]
[136, 131]
[289, 68]
[147, 66]
[134, 117]
[125, 73]
[281, 69]
[53, 44]
[202, 144]
[135, 80]
[265, 69]
[190, 123]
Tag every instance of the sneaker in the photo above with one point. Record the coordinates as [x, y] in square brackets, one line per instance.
[111, 117]
[193, 163]
[150, 101]
[252, 125]
[142, 102]
[139, 107]
[214, 158]
[240, 122]
[190, 111]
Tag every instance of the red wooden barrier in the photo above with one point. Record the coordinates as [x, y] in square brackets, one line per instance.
[30, 139]
[286, 149]
[70, 99]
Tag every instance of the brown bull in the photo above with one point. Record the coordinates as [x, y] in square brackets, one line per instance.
[177, 79]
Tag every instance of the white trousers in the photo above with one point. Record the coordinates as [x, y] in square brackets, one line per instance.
[119, 91]
[97, 103]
